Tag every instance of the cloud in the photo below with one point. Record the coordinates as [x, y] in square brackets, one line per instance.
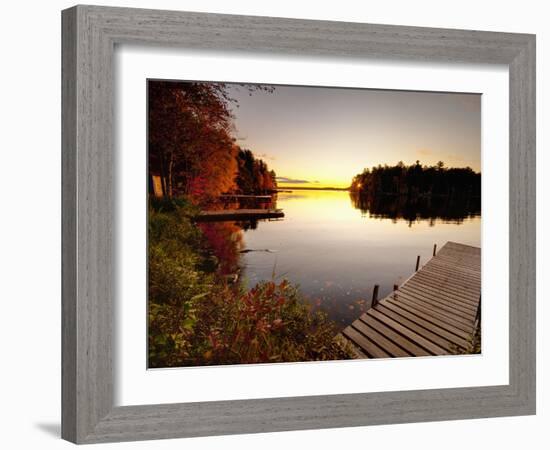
[291, 180]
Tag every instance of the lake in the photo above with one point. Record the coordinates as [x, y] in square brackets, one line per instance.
[337, 247]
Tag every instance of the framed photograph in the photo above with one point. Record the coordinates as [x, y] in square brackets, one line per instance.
[268, 222]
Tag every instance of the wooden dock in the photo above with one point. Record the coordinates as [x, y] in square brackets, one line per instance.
[238, 214]
[247, 196]
[433, 313]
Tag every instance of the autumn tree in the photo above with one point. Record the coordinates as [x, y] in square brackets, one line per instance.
[190, 144]
[192, 150]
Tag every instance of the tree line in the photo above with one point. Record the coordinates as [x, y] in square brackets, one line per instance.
[191, 144]
[253, 175]
[417, 180]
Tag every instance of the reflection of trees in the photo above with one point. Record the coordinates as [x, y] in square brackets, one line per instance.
[447, 208]
[225, 241]
[253, 203]
[229, 202]
[251, 224]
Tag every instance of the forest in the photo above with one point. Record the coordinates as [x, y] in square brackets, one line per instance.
[418, 180]
[418, 192]
[192, 148]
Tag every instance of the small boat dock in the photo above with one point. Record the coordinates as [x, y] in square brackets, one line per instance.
[247, 196]
[239, 214]
[435, 312]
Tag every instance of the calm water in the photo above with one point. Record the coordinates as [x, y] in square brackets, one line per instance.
[337, 249]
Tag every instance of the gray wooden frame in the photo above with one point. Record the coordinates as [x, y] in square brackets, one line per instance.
[89, 36]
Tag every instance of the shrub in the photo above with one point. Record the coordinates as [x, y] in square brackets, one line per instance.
[196, 318]
[269, 323]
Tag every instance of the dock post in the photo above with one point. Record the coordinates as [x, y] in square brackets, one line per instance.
[435, 249]
[395, 329]
[374, 300]
[417, 263]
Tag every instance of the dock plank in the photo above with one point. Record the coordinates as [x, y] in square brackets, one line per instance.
[402, 340]
[436, 302]
[386, 344]
[432, 313]
[368, 347]
[437, 291]
[433, 332]
[238, 214]
[433, 317]
[466, 291]
[436, 295]
[415, 333]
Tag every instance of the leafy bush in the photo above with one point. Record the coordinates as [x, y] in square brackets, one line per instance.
[197, 318]
[269, 323]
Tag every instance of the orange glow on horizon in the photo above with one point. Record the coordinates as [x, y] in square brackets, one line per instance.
[317, 185]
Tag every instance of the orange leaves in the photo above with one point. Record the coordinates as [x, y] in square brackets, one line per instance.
[190, 144]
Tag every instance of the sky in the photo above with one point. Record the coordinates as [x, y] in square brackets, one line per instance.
[320, 137]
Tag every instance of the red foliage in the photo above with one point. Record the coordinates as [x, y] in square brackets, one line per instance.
[225, 240]
[190, 142]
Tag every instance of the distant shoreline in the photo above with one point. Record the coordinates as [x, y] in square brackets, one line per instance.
[304, 188]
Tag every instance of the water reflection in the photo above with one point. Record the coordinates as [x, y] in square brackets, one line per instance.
[225, 241]
[336, 249]
[449, 209]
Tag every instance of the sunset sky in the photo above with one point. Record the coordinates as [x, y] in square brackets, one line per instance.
[321, 137]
